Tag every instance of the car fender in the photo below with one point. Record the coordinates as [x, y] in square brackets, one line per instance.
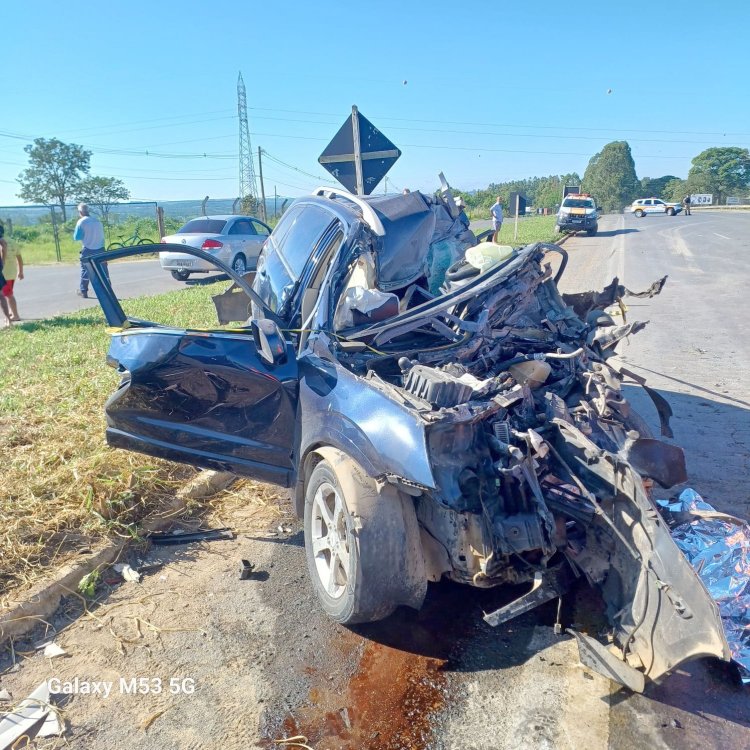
[349, 413]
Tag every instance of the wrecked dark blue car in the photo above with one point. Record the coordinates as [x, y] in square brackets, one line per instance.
[437, 408]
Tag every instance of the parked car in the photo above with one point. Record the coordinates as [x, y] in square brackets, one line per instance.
[645, 206]
[578, 212]
[235, 240]
[478, 433]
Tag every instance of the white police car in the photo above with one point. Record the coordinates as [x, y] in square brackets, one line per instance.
[645, 206]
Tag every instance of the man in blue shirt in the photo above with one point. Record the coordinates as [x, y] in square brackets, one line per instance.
[90, 233]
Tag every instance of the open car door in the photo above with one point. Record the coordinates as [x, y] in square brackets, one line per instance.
[214, 397]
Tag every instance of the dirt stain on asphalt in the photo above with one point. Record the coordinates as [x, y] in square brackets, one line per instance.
[390, 703]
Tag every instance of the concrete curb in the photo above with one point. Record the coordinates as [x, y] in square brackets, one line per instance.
[42, 600]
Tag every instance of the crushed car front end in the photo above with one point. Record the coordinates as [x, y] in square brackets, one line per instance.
[494, 407]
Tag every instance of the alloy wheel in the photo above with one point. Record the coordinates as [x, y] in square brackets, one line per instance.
[330, 540]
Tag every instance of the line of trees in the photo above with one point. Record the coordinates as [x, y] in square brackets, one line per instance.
[59, 173]
[611, 178]
[542, 192]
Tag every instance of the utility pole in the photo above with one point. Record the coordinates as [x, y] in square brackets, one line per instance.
[275, 198]
[262, 187]
[248, 188]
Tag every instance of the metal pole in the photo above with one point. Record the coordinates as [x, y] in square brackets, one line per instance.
[357, 152]
[203, 206]
[262, 187]
[518, 203]
[275, 197]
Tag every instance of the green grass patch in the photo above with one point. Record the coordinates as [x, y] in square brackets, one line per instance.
[530, 229]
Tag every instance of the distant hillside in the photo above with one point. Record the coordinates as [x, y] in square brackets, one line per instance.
[174, 209]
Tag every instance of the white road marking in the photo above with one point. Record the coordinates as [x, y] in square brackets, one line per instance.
[723, 236]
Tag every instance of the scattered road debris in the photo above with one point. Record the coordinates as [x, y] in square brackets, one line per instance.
[128, 573]
[151, 719]
[187, 537]
[298, 741]
[35, 716]
[52, 649]
[246, 570]
[87, 584]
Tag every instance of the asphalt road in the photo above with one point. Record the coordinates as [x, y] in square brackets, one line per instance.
[46, 291]
[268, 665]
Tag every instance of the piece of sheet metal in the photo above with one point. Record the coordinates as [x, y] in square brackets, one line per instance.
[718, 548]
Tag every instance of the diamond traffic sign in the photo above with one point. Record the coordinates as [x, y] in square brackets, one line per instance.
[359, 156]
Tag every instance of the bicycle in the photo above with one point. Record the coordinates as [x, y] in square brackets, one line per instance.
[134, 239]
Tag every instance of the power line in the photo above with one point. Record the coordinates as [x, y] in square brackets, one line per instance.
[494, 134]
[509, 125]
[296, 169]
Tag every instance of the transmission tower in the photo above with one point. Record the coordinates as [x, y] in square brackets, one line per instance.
[248, 186]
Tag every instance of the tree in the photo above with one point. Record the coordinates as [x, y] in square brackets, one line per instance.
[55, 169]
[610, 177]
[720, 171]
[101, 193]
[654, 187]
[675, 190]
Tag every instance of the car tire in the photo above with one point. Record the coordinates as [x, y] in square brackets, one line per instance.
[181, 275]
[362, 543]
[592, 232]
[239, 264]
[639, 214]
[671, 211]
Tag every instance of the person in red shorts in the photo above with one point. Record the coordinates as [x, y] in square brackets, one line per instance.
[12, 270]
[3, 252]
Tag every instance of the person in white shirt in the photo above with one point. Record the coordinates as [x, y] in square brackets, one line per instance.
[497, 218]
[90, 233]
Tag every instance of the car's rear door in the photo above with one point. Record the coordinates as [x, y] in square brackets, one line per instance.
[238, 234]
[256, 241]
[206, 397]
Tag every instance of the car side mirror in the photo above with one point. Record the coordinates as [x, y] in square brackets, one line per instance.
[269, 340]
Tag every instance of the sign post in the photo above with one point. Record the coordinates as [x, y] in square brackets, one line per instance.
[357, 151]
[359, 155]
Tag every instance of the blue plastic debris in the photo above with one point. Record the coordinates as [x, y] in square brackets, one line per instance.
[718, 548]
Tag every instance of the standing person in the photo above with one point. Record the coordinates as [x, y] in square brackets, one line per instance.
[497, 218]
[686, 202]
[3, 252]
[12, 270]
[90, 233]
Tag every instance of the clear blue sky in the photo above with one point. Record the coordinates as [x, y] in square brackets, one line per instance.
[482, 91]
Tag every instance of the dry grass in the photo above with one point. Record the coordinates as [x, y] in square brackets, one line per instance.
[61, 488]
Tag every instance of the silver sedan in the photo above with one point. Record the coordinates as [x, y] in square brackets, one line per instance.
[236, 240]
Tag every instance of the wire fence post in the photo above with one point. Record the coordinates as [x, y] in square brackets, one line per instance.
[160, 221]
[56, 233]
